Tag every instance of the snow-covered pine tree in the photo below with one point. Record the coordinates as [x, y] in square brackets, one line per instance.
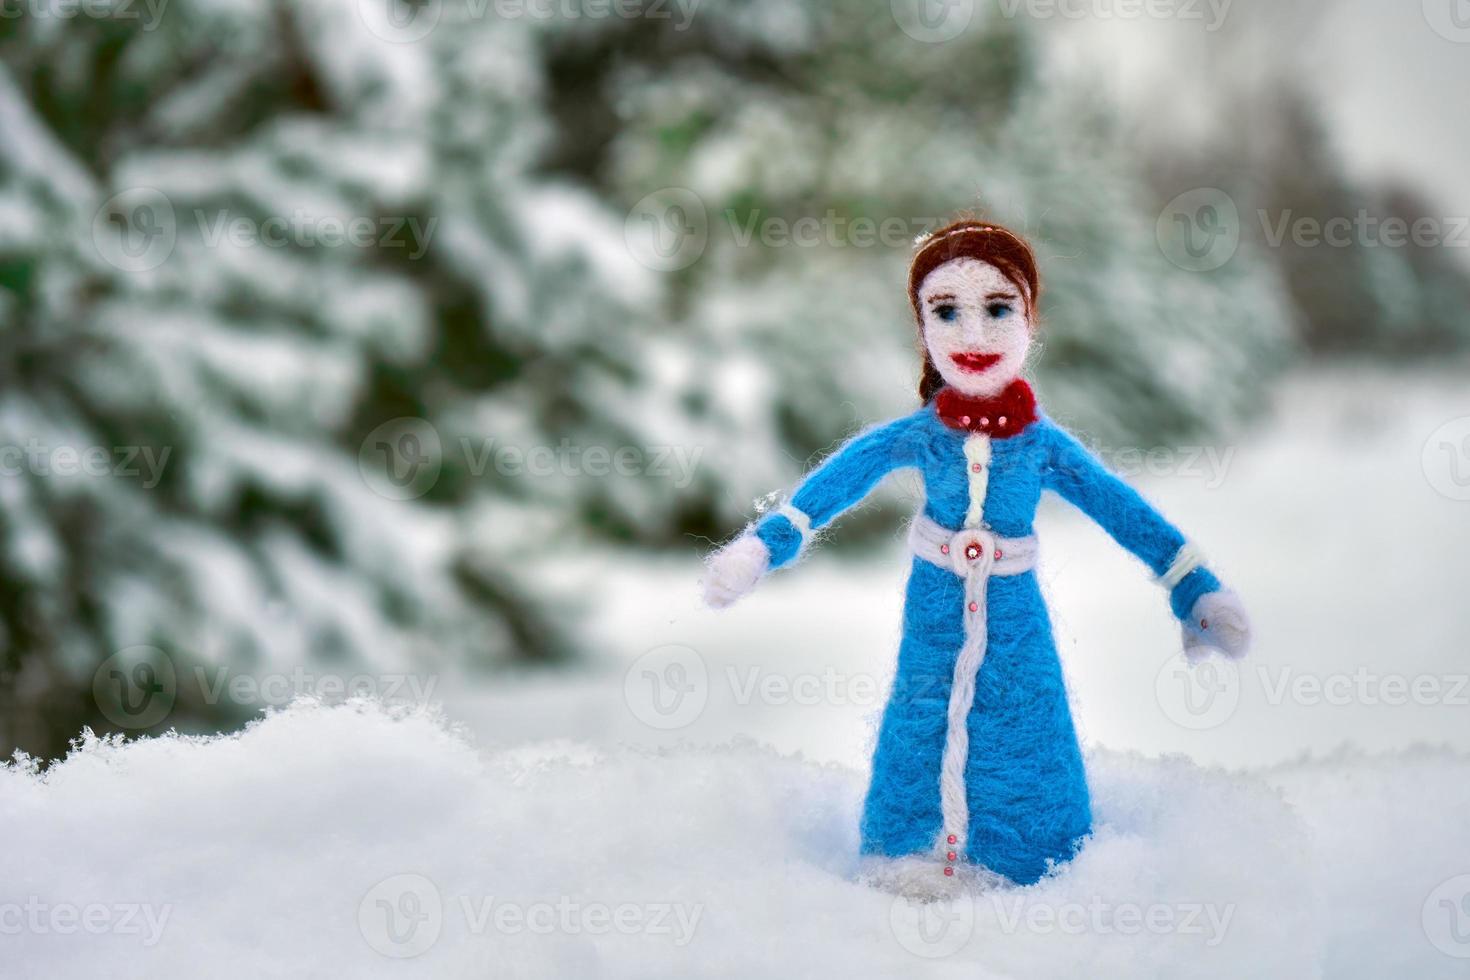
[177, 277]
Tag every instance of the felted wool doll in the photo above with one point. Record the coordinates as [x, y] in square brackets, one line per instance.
[977, 766]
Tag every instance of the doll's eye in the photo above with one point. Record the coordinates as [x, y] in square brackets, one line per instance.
[947, 312]
[999, 311]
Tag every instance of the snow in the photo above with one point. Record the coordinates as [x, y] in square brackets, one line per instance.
[268, 853]
[562, 825]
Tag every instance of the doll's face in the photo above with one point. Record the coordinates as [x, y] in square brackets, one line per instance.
[976, 326]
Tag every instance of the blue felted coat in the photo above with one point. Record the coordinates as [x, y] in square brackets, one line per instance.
[1024, 783]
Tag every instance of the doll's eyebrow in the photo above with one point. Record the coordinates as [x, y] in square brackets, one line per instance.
[1010, 296]
[941, 297]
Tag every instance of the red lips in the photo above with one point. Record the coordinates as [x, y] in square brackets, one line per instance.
[975, 362]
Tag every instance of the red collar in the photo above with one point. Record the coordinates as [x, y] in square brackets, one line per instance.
[1000, 417]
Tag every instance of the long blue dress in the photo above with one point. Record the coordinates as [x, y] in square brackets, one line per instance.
[1024, 782]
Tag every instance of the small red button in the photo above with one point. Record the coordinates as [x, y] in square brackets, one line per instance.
[953, 839]
[974, 607]
[950, 855]
[949, 872]
[944, 549]
[972, 552]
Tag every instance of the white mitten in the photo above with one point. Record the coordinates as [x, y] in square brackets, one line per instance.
[1217, 623]
[734, 570]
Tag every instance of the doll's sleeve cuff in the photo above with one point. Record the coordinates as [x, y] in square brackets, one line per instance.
[1187, 579]
[785, 533]
[1197, 582]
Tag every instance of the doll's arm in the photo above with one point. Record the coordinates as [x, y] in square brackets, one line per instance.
[844, 479]
[1213, 618]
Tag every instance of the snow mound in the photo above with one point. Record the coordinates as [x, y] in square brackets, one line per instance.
[353, 841]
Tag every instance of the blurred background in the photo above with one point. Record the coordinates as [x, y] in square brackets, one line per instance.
[421, 350]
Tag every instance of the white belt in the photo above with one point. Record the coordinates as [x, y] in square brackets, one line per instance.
[974, 554]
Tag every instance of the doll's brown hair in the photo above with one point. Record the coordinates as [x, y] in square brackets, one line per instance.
[970, 239]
